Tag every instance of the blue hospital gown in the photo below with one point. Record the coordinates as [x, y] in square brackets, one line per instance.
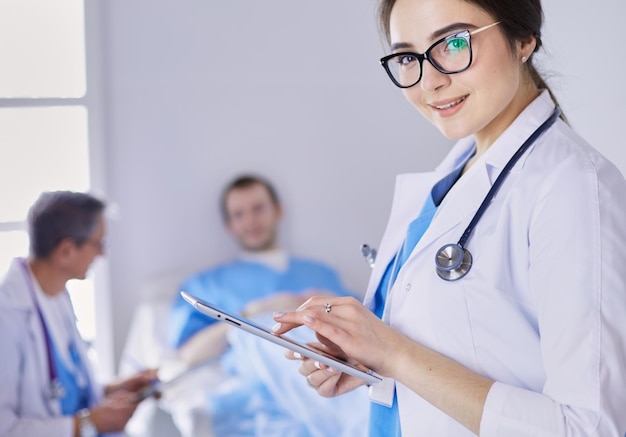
[232, 286]
[265, 394]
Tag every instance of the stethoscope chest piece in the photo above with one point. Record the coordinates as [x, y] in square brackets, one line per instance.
[453, 262]
[56, 389]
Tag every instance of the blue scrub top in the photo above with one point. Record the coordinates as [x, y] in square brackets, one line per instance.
[232, 286]
[75, 396]
[385, 421]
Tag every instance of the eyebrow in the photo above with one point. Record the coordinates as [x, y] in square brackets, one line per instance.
[437, 34]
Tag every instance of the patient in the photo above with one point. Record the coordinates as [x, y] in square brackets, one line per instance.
[250, 390]
[264, 277]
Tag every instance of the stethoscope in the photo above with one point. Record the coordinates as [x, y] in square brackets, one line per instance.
[55, 388]
[369, 253]
[453, 261]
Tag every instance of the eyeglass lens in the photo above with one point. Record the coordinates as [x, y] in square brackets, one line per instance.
[450, 55]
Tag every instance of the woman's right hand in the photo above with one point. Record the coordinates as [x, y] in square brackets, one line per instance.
[348, 329]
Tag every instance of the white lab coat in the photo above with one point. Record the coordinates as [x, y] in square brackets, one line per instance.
[26, 409]
[541, 312]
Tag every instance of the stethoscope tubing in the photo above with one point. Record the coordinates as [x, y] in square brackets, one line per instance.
[454, 261]
[504, 173]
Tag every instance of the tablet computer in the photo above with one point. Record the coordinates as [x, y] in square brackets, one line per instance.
[261, 331]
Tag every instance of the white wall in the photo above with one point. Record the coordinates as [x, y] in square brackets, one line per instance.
[585, 62]
[197, 91]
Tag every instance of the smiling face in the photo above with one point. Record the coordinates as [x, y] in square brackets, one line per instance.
[482, 100]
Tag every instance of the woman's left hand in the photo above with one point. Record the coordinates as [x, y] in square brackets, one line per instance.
[346, 324]
[328, 382]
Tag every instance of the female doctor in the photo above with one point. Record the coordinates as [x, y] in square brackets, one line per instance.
[496, 304]
[46, 384]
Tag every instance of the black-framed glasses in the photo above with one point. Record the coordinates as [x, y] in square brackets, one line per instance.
[451, 54]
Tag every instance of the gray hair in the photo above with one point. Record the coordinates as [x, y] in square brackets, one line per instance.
[58, 215]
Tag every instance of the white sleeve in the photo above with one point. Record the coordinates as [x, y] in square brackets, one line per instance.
[577, 272]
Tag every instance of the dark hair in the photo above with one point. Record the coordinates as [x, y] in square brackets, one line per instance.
[245, 181]
[519, 19]
[57, 215]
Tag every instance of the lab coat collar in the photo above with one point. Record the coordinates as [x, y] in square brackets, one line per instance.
[529, 120]
[465, 197]
[458, 206]
[463, 200]
[16, 293]
[408, 198]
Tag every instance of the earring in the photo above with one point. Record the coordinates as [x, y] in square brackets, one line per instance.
[524, 59]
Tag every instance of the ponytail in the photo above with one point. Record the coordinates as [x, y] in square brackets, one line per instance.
[540, 83]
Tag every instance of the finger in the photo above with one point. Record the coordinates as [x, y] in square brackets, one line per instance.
[307, 366]
[319, 377]
[307, 302]
[328, 369]
[288, 320]
[339, 384]
[329, 346]
[332, 328]
[284, 325]
[291, 355]
[330, 386]
[317, 307]
[319, 304]
[327, 303]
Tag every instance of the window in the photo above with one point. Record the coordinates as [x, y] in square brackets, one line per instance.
[44, 121]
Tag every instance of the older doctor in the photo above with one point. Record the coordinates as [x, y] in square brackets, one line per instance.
[47, 385]
[517, 329]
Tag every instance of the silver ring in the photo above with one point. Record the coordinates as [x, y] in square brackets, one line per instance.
[327, 307]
